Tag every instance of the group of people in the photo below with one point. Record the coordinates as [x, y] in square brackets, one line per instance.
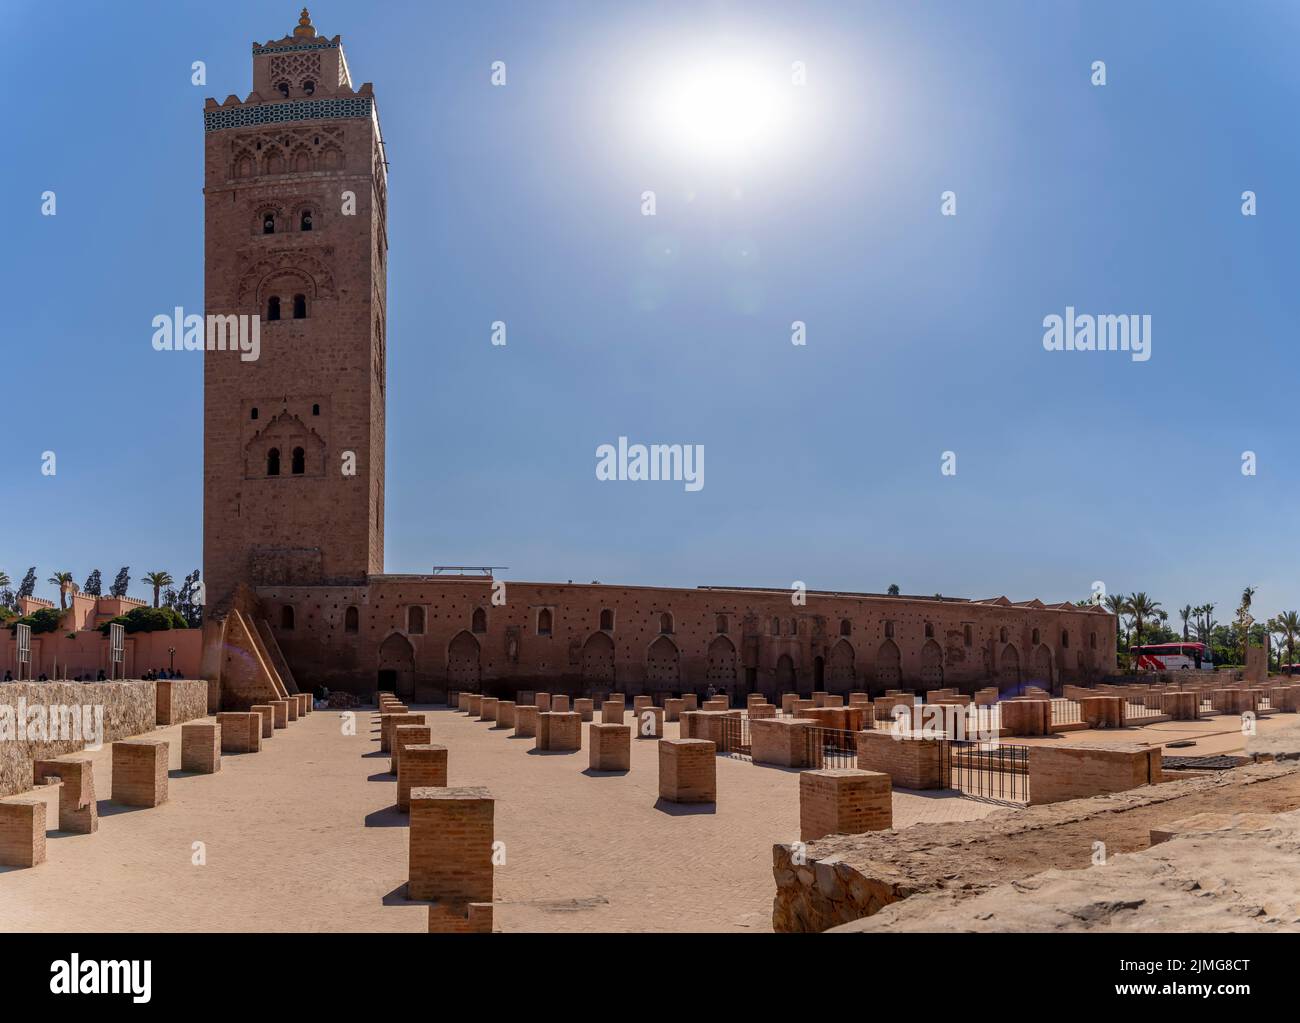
[149, 676]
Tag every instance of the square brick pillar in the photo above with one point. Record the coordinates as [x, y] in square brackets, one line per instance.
[649, 723]
[1026, 717]
[559, 732]
[760, 711]
[450, 851]
[844, 801]
[22, 832]
[688, 771]
[717, 703]
[471, 918]
[281, 708]
[408, 735]
[639, 703]
[526, 721]
[487, 708]
[201, 747]
[560, 704]
[241, 732]
[306, 703]
[1182, 706]
[585, 707]
[387, 724]
[611, 712]
[1058, 773]
[690, 702]
[542, 701]
[140, 772]
[291, 707]
[788, 702]
[505, 714]
[673, 709]
[610, 747]
[910, 763]
[78, 811]
[782, 742]
[422, 766]
[266, 719]
[462, 701]
[475, 704]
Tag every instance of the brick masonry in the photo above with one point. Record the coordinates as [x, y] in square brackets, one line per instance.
[909, 763]
[241, 731]
[140, 772]
[22, 832]
[408, 735]
[559, 732]
[1057, 773]
[180, 700]
[610, 747]
[843, 801]
[688, 771]
[422, 766]
[450, 850]
[266, 715]
[78, 809]
[201, 747]
[782, 742]
[505, 714]
[526, 721]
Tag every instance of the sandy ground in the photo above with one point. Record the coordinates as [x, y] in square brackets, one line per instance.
[303, 837]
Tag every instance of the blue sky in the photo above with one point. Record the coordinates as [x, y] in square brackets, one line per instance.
[522, 203]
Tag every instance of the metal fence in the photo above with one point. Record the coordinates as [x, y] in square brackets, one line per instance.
[994, 771]
[831, 747]
[735, 736]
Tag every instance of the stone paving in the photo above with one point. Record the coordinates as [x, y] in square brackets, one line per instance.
[303, 837]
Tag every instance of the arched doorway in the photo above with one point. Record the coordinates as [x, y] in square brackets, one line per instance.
[888, 661]
[462, 662]
[397, 665]
[662, 664]
[598, 660]
[841, 668]
[931, 666]
[1008, 669]
[1041, 673]
[785, 681]
[721, 671]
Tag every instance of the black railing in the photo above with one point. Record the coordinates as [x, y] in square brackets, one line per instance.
[735, 736]
[831, 747]
[995, 771]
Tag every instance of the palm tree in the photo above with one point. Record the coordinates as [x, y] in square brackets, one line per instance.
[157, 580]
[1245, 620]
[1143, 609]
[4, 580]
[63, 580]
[1289, 623]
[1185, 612]
[1117, 606]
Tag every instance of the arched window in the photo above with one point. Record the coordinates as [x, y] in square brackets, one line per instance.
[929, 630]
[299, 461]
[1035, 637]
[268, 223]
[889, 630]
[478, 623]
[309, 87]
[1092, 640]
[351, 620]
[282, 88]
[970, 635]
[544, 622]
[776, 626]
[299, 307]
[286, 617]
[1065, 638]
[1002, 634]
[607, 619]
[721, 625]
[304, 222]
[315, 410]
[666, 623]
[253, 414]
[273, 307]
[273, 462]
[415, 620]
[846, 627]
[794, 626]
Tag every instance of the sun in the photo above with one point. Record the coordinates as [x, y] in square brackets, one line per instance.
[719, 109]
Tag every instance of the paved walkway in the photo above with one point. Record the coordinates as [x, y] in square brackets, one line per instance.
[303, 837]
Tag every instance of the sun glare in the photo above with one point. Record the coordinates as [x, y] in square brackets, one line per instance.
[720, 109]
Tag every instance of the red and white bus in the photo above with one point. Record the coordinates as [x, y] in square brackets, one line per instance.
[1172, 657]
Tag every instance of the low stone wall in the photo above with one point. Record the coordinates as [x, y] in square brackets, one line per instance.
[129, 708]
[1057, 773]
[181, 700]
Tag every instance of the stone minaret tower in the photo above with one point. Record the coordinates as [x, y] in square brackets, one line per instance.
[295, 226]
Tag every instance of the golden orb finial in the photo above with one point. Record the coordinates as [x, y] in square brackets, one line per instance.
[305, 27]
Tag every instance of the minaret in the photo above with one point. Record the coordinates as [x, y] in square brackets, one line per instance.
[295, 222]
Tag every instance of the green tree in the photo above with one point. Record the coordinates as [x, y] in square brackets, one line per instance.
[1143, 609]
[1245, 620]
[94, 585]
[157, 580]
[1185, 613]
[122, 583]
[1289, 624]
[893, 590]
[1118, 606]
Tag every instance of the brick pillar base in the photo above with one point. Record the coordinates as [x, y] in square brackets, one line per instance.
[526, 721]
[559, 732]
[140, 772]
[648, 723]
[611, 712]
[266, 714]
[78, 810]
[587, 708]
[422, 766]
[844, 801]
[201, 747]
[241, 732]
[688, 771]
[610, 747]
[450, 852]
[408, 735]
[22, 832]
[505, 714]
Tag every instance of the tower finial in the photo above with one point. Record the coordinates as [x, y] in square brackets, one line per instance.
[305, 27]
